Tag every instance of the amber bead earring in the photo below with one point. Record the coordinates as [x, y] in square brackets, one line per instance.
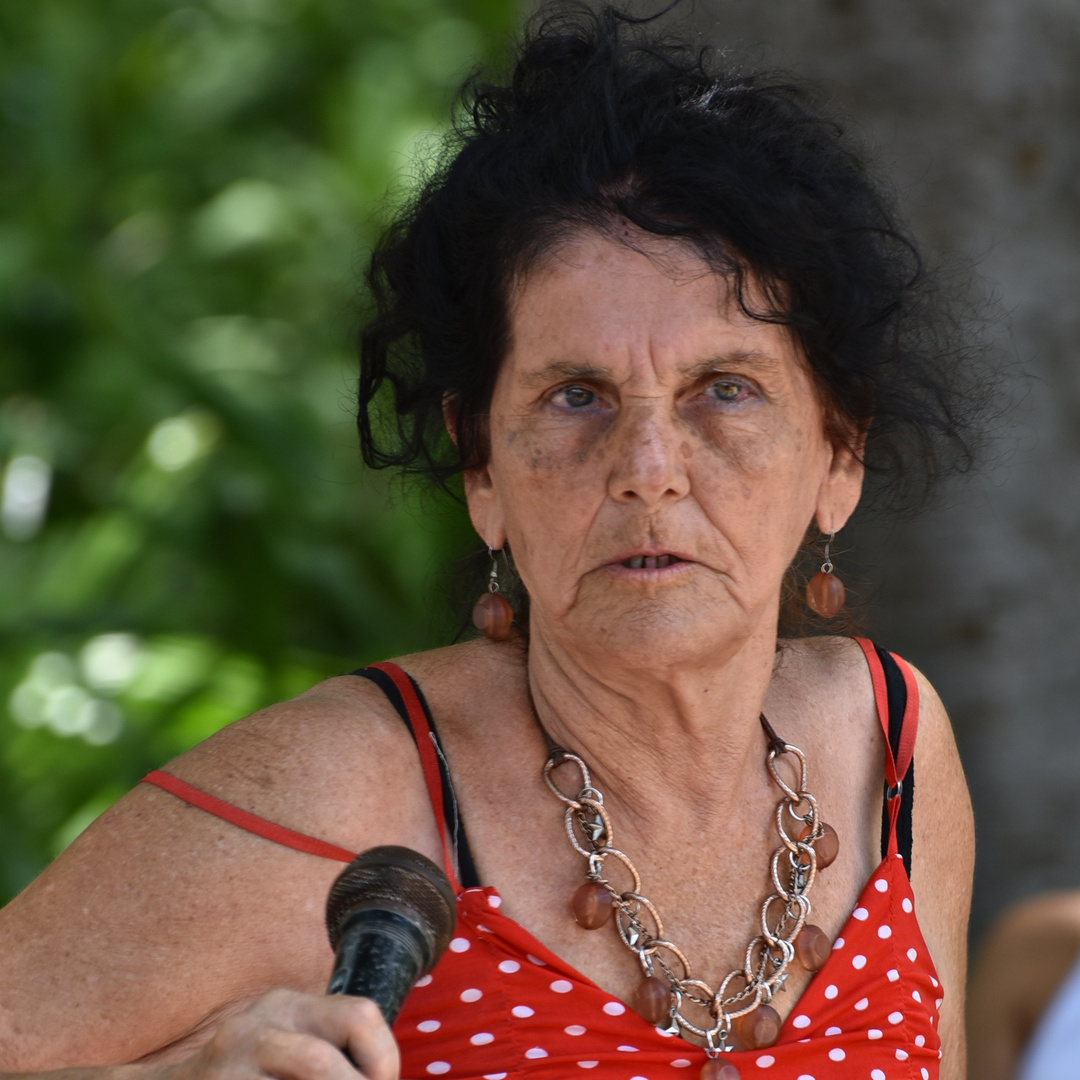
[825, 592]
[492, 614]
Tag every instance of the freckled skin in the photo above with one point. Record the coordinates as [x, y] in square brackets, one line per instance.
[638, 405]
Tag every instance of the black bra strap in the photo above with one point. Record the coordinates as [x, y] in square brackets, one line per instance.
[466, 867]
[896, 691]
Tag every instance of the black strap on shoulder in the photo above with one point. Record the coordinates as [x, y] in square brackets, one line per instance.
[896, 692]
[466, 867]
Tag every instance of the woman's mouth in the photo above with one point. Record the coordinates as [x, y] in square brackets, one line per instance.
[650, 562]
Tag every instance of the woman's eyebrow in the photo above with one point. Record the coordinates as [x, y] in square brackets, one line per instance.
[747, 359]
[565, 369]
[739, 359]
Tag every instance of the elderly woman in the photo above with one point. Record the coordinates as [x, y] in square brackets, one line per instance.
[669, 324]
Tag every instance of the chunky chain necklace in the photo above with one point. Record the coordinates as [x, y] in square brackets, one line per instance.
[740, 1004]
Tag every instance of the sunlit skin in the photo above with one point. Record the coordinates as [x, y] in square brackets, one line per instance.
[656, 458]
[639, 412]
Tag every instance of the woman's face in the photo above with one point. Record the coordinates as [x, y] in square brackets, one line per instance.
[656, 455]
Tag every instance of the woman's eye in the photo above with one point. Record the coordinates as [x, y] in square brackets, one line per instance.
[575, 397]
[727, 389]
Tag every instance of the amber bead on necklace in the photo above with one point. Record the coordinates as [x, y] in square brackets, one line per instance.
[740, 1005]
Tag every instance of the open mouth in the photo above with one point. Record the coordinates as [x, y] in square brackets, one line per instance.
[650, 562]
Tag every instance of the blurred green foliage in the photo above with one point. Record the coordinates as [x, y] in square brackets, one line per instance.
[186, 534]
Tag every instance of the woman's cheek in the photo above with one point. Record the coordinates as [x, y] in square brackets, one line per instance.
[556, 446]
[739, 443]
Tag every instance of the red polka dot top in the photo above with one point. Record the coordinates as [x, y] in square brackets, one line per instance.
[500, 1005]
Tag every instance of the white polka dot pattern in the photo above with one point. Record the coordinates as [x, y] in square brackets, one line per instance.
[497, 997]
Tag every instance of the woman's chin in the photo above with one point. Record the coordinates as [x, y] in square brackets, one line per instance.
[653, 632]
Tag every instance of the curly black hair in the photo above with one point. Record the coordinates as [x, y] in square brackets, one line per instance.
[605, 119]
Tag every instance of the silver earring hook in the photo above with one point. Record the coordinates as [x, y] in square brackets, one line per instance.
[493, 578]
[827, 566]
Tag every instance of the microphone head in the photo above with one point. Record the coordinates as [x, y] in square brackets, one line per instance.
[400, 880]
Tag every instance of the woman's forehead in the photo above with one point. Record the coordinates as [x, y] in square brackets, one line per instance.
[594, 298]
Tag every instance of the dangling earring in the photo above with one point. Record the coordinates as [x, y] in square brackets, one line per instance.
[825, 591]
[492, 614]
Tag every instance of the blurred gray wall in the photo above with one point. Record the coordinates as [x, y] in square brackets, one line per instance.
[974, 106]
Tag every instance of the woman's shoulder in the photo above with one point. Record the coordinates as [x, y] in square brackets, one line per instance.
[318, 762]
[827, 681]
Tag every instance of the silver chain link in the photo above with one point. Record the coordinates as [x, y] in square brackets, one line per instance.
[784, 913]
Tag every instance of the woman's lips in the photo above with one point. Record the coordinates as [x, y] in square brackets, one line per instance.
[649, 562]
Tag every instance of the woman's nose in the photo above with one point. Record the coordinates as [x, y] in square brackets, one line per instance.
[648, 458]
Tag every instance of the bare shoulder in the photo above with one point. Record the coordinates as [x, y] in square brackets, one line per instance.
[319, 763]
[942, 865]
[826, 680]
[834, 665]
[177, 917]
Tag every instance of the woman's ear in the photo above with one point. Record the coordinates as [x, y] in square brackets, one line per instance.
[480, 494]
[841, 487]
[485, 507]
[450, 415]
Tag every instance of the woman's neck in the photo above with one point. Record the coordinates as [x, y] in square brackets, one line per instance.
[644, 731]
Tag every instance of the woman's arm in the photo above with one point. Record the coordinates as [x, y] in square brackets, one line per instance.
[943, 860]
[161, 921]
[284, 1035]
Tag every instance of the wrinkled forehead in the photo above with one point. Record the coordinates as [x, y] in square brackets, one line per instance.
[570, 247]
[596, 281]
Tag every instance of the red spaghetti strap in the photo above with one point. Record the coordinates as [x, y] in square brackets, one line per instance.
[243, 819]
[910, 725]
[429, 763]
[881, 700]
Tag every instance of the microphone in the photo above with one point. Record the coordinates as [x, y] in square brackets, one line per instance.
[390, 914]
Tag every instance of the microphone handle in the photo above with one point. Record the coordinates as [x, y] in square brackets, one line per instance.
[380, 955]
